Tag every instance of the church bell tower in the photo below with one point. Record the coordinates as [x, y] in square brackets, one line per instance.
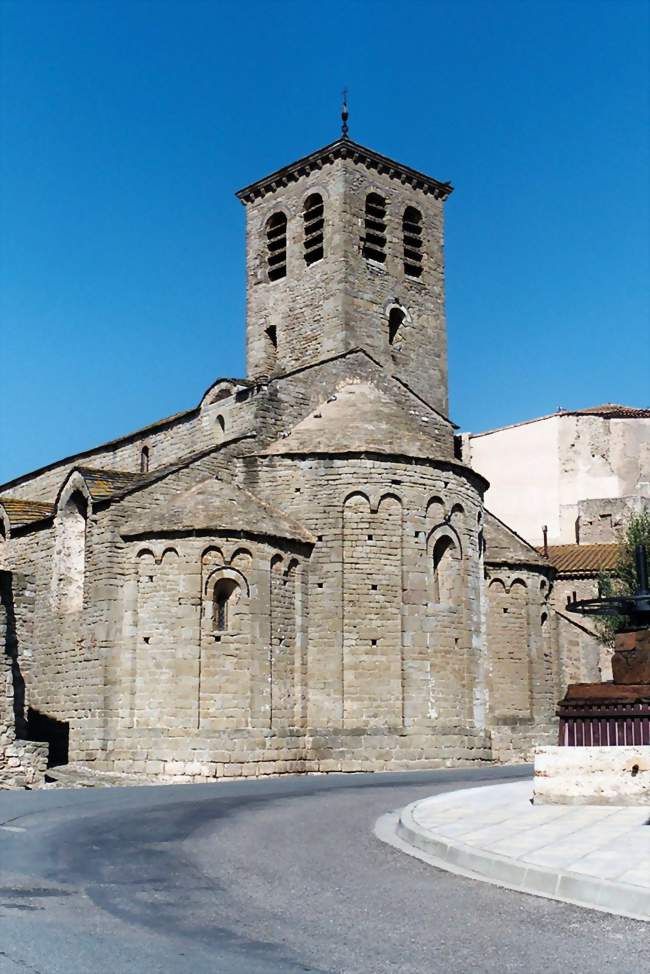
[345, 250]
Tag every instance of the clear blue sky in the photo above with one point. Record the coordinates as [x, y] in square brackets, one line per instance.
[127, 126]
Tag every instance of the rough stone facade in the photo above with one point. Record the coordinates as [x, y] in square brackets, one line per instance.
[580, 473]
[22, 762]
[299, 574]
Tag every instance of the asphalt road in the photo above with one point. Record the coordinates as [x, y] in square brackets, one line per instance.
[269, 877]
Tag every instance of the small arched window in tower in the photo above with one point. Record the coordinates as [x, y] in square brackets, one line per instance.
[314, 217]
[412, 239]
[374, 240]
[276, 246]
[272, 335]
[144, 459]
[224, 599]
[395, 319]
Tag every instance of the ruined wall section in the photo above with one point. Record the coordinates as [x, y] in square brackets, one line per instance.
[601, 458]
[583, 657]
[22, 762]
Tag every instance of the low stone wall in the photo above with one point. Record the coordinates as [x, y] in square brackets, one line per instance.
[516, 742]
[592, 775]
[257, 753]
[22, 763]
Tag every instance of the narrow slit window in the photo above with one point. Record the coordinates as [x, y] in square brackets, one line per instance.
[272, 334]
[276, 246]
[412, 239]
[374, 240]
[144, 459]
[314, 218]
[395, 319]
[225, 597]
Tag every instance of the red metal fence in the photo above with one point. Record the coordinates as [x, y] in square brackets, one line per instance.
[598, 724]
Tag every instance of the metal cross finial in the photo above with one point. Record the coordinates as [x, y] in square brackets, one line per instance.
[345, 115]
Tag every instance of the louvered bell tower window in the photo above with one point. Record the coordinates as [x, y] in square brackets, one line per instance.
[412, 236]
[374, 241]
[314, 217]
[276, 246]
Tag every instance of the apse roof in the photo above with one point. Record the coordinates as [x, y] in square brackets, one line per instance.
[505, 545]
[222, 507]
[359, 418]
[25, 511]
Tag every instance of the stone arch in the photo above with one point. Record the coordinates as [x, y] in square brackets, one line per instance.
[356, 495]
[435, 508]
[241, 559]
[212, 555]
[225, 571]
[518, 586]
[70, 550]
[446, 587]
[497, 584]
[5, 526]
[445, 528]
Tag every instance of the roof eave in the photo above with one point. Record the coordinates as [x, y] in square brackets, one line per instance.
[343, 148]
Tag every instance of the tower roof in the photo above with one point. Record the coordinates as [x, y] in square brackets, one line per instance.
[344, 148]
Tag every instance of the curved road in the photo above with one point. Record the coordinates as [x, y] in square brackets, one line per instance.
[269, 877]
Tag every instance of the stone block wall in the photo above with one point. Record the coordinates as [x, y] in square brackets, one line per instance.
[344, 300]
[22, 762]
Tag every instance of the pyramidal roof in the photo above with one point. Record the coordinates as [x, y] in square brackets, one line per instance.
[344, 148]
[359, 418]
[219, 506]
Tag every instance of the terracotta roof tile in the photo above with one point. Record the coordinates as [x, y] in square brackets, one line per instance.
[609, 410]
[573, 559]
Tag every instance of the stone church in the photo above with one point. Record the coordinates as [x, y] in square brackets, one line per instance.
[299, 573]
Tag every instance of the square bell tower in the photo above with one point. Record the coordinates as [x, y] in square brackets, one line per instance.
[345, 250]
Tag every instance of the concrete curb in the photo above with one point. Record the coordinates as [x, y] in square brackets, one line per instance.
[403, 832]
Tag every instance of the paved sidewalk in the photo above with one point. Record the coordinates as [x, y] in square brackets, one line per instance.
[593, 855]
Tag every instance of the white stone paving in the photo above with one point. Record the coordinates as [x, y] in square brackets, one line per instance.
[484, 829]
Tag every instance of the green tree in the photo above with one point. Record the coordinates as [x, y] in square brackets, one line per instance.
[623, 580]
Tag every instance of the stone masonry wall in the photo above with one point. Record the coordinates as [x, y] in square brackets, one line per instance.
[343, 300]
[22, 762]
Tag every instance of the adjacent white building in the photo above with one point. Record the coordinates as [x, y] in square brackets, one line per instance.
[579, 472]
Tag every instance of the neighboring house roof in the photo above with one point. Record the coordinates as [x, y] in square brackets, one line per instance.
[609, 410]
[503, 545]
[359, 418]
[579, 559]
[220, 507]
[344, 148]
[21, 512]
